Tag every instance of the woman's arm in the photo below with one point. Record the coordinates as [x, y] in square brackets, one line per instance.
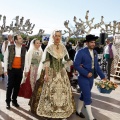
[46, 66]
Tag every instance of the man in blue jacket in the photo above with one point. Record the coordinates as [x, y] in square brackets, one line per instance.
[86, 63]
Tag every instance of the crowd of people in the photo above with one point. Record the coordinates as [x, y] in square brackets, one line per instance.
[43, 73]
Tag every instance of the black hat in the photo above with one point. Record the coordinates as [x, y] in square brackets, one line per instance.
[90, 38]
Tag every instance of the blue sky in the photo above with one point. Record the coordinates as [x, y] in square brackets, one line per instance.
[51, 14]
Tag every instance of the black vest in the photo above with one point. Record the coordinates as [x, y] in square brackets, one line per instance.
[11, 52]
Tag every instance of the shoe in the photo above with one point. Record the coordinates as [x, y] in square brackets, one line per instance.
[8, 106]
[15, 104]
[80, 114]
[94, 119]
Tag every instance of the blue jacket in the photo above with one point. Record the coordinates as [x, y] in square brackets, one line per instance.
[84, 58]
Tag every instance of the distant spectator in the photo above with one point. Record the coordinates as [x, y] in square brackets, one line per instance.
[8, 41]
[68, 46]
[44, 43]
[28, 41]
[97, 48]
[72, 54]
[109, 54]
[78, 46]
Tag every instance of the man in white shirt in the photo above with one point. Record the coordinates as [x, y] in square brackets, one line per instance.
[14, 59]
[8, 41]
[109, 54]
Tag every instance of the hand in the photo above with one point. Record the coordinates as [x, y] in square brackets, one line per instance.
[46, 78]
[105, 79]
[89, 75]
[70, 62]
[5, 73]
[76, 73]
[26, 73]
[81, 65]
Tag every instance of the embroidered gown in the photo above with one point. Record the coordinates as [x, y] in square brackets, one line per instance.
[27, 88]
[53, 99]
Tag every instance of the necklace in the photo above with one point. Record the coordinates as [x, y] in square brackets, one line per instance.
[57, 47]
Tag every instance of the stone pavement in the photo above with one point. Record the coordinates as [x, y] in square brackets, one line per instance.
[104, 106]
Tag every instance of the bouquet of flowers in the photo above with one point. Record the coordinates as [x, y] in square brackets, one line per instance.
[106, 86]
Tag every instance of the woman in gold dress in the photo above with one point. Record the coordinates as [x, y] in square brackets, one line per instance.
[56, 99]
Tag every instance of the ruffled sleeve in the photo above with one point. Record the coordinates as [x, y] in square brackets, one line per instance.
[67, 58]
[67, 63]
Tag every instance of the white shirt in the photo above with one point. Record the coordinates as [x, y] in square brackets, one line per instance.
[18, 51]
[106, 49]
[92, 55]
[6, 54]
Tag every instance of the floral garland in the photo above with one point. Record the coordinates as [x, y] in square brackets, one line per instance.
[106, 84]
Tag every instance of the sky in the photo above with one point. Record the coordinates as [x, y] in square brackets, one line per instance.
[51, 14]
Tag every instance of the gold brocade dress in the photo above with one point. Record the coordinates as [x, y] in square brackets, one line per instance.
[56, 99]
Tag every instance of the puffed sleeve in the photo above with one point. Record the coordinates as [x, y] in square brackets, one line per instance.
[67, 62]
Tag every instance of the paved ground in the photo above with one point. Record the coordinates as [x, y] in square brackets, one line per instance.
[104, 106]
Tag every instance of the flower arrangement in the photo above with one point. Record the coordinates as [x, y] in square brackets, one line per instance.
[106, 86]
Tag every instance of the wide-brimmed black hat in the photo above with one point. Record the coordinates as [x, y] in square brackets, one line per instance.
[90, 38]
